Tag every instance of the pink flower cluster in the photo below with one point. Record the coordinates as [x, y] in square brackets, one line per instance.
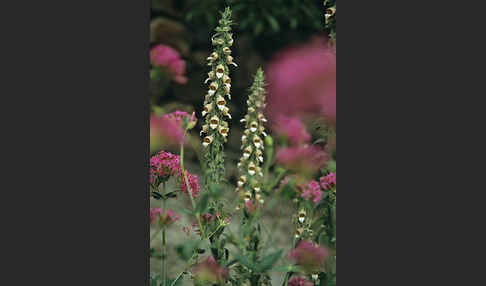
[164, 219]
[309, 256]
[304, 158]
[164, 165]
[171, 126]
[165, 56]
[209, 272]
[328, 181]
[299, 281]
[292, 128]
[302, 81]
[312, 191]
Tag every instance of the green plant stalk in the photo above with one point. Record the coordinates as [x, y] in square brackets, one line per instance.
[185, 269]
[287, 276]
[186, 181]
[164, 244]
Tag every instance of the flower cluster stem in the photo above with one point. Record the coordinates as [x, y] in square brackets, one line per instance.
[198, 215]
[164, 244]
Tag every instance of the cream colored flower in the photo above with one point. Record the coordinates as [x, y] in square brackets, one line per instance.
[259, 154]
[247, 152]
[226, 112]
[302, 215]
[251, 169]
[230, 61]
[223, 131]
[253, 126]
[220, 102]
[226, 50]
[226, 79]
[205, 129]
[207, 140]
[212, 88]
[207, 108]
[210, 76]
[214, 122]
[219, 71]
[247, 196]
[241, 181]
[257, 141]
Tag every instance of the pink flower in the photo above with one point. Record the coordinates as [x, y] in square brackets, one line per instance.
[170, 127]
[309, 256]
[305, 159]
[299, 281]
[292, 128]
[209, 272]
[193, 184]
[164, 165]
[329, 181]
[165, 56]
[163, 219]
[302, 81]
[312, 192]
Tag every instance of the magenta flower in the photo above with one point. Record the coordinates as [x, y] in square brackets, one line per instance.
[209, 272]
[193, 184]
[292, 128]
[170, 127]
[167, 57]
[305, 159]
[163, 219]
[312, 191]
[302, 81]
[299, 281]
[329, 181]
[309, 256]
[164, 165]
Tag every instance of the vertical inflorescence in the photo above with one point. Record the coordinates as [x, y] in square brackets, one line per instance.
[251, 175]
[215, 111]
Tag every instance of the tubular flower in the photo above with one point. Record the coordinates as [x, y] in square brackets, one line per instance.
[215, 109]
[252, 143]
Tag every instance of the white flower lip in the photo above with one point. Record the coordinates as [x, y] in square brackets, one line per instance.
[214, 122]
[219, 71]
[221, 102]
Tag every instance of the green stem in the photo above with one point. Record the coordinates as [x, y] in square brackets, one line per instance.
[164, 244]
[287, 276]
[198, 215]
[185, 269]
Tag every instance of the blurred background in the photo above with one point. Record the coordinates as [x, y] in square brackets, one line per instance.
[265, 33]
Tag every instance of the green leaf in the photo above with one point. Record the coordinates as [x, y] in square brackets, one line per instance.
[202, 204]
[156, 195]
[273, 23]
[245, 261]
[186, 249]
[268, 261]
[294, 23]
